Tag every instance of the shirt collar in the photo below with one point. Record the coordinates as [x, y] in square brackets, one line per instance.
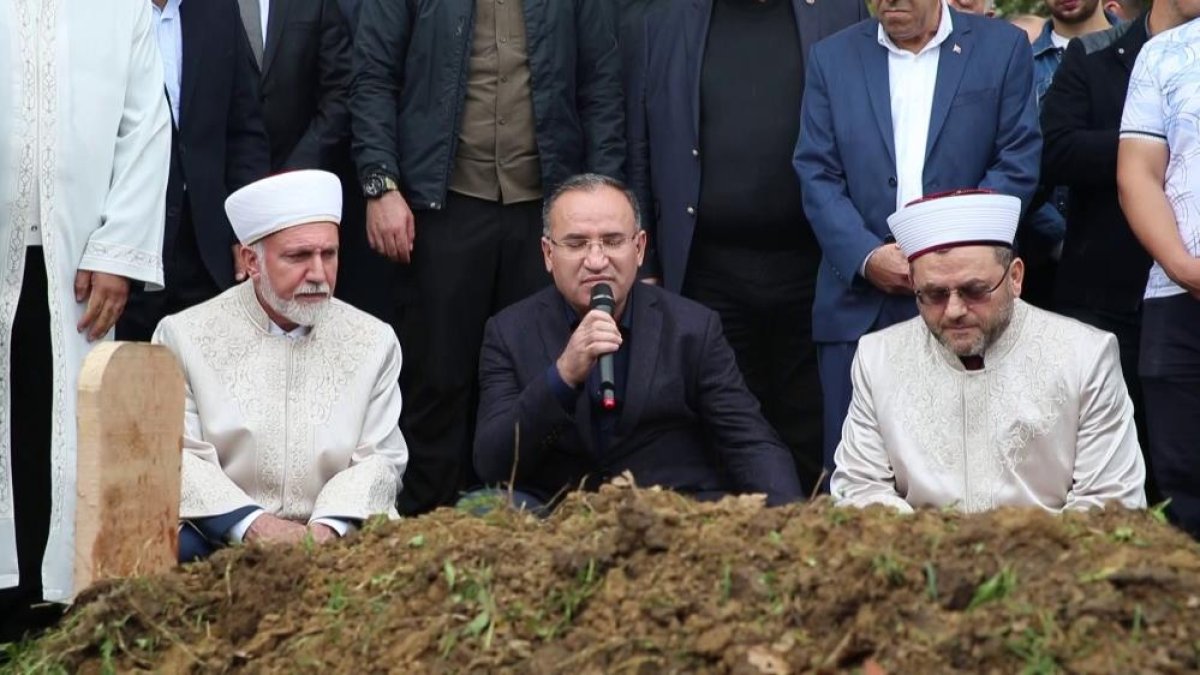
[169, 10]
[945, 27]
[295, 333]
[1045, 41]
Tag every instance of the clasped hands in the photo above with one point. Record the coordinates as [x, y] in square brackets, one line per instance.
[269, 529]
[887, 269]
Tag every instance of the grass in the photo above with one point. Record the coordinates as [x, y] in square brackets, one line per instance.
[1033, 646]
[998, 587]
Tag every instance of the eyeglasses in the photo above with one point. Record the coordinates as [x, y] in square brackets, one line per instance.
[579, 247]
[971, 294]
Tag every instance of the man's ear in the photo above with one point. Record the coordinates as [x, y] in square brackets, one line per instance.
[1017, 275]
[250, 261]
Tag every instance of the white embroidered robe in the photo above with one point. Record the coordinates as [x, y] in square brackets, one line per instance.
[1047, 422]
[84, 153]
[305, 427]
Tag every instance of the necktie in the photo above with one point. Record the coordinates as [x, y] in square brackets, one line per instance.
[252, 20]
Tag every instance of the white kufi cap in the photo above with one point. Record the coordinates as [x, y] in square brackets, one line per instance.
[966, 218]
[284, 200]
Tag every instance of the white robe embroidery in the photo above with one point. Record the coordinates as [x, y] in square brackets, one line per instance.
[83, 126]
[1047, 422]
[303, 427]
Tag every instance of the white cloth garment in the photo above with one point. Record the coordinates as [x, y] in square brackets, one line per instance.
[84, 152]
[954, 220]
[303, 427]
[1162, 105]
[284, 200]
[264, 13]
[912, 79]
[168, 30]
[1047, 422]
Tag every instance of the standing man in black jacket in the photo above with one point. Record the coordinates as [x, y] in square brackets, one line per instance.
[1081, 119]
[218, 144]
[713, 117]
[465, 113]
[303, 52]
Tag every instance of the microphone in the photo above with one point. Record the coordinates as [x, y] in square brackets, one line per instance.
[602, 299]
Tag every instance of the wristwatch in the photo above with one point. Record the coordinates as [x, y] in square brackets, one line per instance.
[378, 183]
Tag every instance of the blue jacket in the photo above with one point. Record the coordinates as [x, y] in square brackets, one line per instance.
[687, 421]
[983, 133]
[664, 118]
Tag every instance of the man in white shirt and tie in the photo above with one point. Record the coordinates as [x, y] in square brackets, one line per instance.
[920, 100]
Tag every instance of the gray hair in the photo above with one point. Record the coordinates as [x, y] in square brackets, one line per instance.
[589, 182]
[1004, 255]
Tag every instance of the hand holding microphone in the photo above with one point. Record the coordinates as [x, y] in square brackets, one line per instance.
[595, 340]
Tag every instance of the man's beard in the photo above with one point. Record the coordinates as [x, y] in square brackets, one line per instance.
[301, 313]
[1082, 16]
[990, 332]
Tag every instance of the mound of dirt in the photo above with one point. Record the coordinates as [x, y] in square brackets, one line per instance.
[644, 581]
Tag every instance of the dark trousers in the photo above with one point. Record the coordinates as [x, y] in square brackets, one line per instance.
[470, 260]
[1170, 372]
[835, 360]
[1127, 328]
[765, 301]
[187, 283]
[30, 369]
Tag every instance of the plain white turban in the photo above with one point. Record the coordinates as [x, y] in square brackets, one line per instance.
[284, 200]
[958, 219]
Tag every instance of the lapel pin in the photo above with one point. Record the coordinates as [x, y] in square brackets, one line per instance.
[957, 49]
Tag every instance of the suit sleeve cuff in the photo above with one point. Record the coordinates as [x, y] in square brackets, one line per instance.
[565, 394]
[238, 532]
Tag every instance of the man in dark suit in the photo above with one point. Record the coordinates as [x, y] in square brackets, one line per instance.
[713, 125]
[683, 420]
[218, 145]
[303, 51]
[920, 101]
[1081, 119]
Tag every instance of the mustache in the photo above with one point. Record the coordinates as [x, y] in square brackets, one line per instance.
[312, 288]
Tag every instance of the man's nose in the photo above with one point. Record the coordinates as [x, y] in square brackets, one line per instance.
[955, 306]
[317, 270]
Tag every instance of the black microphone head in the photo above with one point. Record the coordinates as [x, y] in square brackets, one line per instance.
[602, 298]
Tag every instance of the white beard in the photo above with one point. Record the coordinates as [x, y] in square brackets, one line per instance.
[300, 313]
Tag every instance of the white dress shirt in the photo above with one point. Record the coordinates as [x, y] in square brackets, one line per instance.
[169, 31]
[911, 82]
[264, 9]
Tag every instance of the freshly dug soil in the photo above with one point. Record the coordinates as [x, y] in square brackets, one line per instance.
[643, 581]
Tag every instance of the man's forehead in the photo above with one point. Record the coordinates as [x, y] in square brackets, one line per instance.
[575, 210]
[960, 262]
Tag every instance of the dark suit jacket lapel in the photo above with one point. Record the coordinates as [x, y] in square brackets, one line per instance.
[555, 330]
[875, 68]
[697, 19]
[952, 63]
[808, 22]
[643, 359]
[276, 19]
[192, 32]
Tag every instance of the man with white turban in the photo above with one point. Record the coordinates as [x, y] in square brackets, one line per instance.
[293, 403]
[984, 401]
